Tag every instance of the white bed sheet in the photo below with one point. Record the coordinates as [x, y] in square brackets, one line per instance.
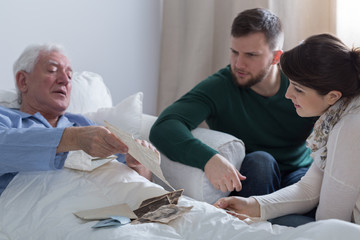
[39, 205]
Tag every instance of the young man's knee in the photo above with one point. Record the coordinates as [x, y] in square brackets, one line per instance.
[260, 158]
[261, 164]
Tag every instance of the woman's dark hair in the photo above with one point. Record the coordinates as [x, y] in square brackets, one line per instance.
[324, 63]
[259, 20]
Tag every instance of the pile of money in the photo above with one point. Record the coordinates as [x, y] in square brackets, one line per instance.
[161, 209]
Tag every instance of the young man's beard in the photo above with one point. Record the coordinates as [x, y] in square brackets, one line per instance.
[252, 81]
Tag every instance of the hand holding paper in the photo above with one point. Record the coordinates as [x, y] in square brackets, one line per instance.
[146, 156]
[136, 165]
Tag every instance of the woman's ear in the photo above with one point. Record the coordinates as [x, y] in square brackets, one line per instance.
[21, 81]
[277, 55]
[333, 96]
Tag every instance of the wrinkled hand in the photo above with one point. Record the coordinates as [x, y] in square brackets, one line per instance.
[240, 207]
[96, 141]
[222, 174]
[137, 166]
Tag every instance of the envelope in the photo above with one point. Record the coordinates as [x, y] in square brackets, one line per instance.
[106, 212]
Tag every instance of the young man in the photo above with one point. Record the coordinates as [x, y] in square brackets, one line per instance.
[39, 135]
[245, 99]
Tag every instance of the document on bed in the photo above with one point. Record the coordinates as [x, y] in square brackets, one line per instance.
[80, 160]
[162, 209]
[144, 155]
[106, 212]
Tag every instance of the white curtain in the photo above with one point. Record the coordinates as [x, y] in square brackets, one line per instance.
[196, 36]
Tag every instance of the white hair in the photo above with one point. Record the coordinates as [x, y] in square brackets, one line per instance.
[29, 57]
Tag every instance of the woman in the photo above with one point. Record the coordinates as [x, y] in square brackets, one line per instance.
[324, 81]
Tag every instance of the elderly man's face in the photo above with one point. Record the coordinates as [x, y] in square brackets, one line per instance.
[47, 88]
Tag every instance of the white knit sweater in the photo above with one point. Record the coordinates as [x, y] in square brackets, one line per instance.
[336, 189]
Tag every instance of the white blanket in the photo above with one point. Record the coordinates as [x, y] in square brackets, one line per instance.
[40, 205]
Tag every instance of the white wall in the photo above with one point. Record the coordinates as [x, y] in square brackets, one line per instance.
[118, 39]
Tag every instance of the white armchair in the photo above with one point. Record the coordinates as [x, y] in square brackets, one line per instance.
[193, 180]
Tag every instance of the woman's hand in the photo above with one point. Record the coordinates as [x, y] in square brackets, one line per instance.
[240, 207]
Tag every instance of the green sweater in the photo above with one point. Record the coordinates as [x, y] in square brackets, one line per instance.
[270, 124]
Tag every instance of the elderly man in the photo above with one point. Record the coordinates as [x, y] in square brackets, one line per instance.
[39, 135]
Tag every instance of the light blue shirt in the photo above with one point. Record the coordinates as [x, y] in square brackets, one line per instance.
[29, 142]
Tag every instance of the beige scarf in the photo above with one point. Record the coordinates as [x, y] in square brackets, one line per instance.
[317, 141]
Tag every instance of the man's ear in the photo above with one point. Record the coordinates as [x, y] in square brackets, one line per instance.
[277, 55]
[333, 96]
[21, 81]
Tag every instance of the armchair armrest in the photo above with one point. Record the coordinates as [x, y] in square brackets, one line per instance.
[193, 180]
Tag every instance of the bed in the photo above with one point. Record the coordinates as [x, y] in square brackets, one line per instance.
[40, 205]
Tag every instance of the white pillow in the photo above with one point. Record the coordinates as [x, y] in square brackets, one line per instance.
[88, 93]
[126, 115]
[8, 98]
[193, 180]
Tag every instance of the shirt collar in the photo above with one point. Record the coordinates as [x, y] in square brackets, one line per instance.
[62, 122]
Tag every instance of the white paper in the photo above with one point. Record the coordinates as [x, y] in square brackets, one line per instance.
[147, 157]
[106, 212]
[80, 160]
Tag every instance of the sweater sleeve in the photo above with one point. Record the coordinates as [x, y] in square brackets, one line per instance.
[299, 198]
[171, 133]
